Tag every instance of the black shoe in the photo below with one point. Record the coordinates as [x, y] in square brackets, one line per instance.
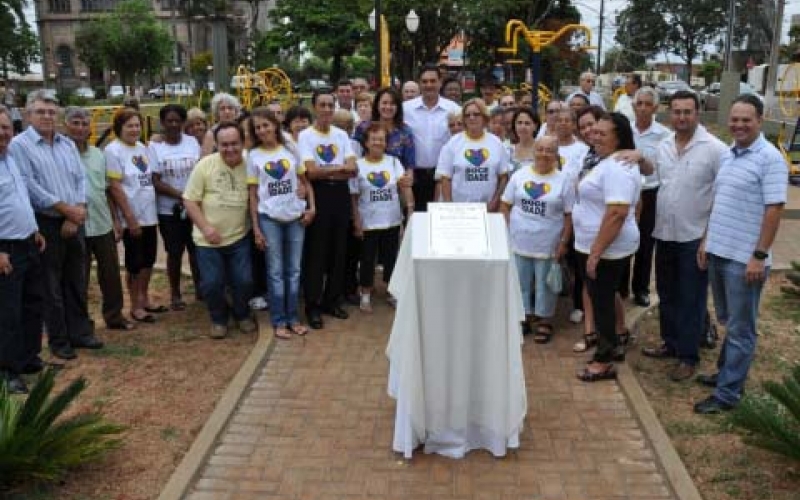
[91, 342]
[711, 405]
[63, 352]
[14, 383]
[641, 299]
[336, 312]
[660, 352]
[314, 319]
[708, 380]
[33, 367]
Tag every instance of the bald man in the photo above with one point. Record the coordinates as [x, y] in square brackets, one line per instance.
[410, 90]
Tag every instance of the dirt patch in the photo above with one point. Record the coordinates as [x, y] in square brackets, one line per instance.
[161, 381]
[722, 466]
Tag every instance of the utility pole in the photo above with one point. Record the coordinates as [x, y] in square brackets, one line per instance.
[774, 60]
[600, 37]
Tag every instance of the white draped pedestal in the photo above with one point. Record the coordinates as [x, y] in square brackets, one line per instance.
[455, 358]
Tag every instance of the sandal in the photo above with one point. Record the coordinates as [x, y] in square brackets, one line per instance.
[282, 332]
[586, 375]
[544, 333]
[298, 329]
[178, 305]
[156, 309]
[147, 318]
[121, 325]
[589, 341]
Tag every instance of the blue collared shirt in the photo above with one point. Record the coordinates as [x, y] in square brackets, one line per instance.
[53, 173]
[16, 215]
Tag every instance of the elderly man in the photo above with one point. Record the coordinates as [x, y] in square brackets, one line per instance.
[21, 291]
[216, 199]
[687, 165]
[587, 81]
[647, 134]
[54, 174]
[625, 102]
[426, 115]
[360, 86]
[410, 90]
[102, 229]
[749, 195]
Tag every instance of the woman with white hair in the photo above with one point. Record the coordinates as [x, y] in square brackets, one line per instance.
[224, 108]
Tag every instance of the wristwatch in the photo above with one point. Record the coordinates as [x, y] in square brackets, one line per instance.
[760, 255]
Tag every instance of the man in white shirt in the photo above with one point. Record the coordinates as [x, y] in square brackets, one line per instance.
[344, 98]
[625, 102]
[647, 134]
[426, 115]
[587, 81]
[687, 163]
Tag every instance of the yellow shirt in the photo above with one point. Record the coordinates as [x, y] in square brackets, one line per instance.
[222, 193]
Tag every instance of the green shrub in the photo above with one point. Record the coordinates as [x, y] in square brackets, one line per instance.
[772, 419]
[37, 445]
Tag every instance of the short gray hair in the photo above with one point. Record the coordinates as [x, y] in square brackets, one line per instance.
[224, 98]
[650, 91]
[73, 112]
[41, 95]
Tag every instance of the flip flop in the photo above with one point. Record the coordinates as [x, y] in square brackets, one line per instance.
[298, 329]
[282, 333]
[544, 333]
[157, 309]
[147, 318]
[585, 375]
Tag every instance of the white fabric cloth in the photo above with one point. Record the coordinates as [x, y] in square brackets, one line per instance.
[455, 356]
[174, 163]
[624, 105]
[378, 197]
[648, 141]
[133, 166]
[473, 165]
[572, 157]
[275, 173]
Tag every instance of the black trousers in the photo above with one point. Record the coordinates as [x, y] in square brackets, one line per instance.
[104, 250]
[643, 262]
[602, 292]
[353, 258]
[424, 188]
[66, 314]
[326, 245]
[21, 302]
[387, 242]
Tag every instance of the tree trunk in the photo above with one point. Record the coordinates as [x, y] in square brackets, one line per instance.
[336, 68]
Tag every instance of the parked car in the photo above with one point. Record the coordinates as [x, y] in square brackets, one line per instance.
[85, 92]
[170, 90]
[156, 92]
[666, 89]
[709, 97]
[313, 86]
[116, 91]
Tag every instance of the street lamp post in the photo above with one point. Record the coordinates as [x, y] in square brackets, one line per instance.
[412, 25]
[375, 23]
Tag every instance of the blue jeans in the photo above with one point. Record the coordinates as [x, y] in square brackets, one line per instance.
[682, 293]
[736, 303]
[221, 266]
[530, 269]
[283, 258]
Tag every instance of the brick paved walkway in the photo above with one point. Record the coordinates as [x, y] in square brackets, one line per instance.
[317, 424]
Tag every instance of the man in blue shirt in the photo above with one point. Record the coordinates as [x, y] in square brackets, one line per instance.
[54, 175]
[749, 195]
[20, 272]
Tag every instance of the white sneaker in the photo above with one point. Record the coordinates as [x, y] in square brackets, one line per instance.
[366, 303]
[258, 303]
[218, 331]
[576, 316]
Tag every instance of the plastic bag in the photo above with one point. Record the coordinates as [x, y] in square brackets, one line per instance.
[554, 278]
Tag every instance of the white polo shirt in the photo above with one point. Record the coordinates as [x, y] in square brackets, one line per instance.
[429, 126]
[687, 186]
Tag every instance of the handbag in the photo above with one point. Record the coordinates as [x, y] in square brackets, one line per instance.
[554, 279]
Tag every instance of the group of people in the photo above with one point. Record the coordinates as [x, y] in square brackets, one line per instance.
[271, 202]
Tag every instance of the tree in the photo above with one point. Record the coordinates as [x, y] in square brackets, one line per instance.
[18, 44]
[619, 60]
[129, 40]
[640, 30]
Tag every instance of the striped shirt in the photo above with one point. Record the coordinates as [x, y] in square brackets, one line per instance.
[53, 173]
[749, 179]
[16, 216]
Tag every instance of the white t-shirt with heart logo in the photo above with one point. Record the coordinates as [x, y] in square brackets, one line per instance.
[473, 166]
[133, 166]
[378, 197]
[538, 205]
[275, 172]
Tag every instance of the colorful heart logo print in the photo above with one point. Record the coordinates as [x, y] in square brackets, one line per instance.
[378, 179]
[140, 162]
[536, 190]
[277, 169]
[476, 156]
[327, 152]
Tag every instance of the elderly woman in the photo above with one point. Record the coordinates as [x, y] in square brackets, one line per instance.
[224, 108]
[473, 165]
[455, 123]
[606, 235]
[196, 124]
[129, 167]
[537, 204]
